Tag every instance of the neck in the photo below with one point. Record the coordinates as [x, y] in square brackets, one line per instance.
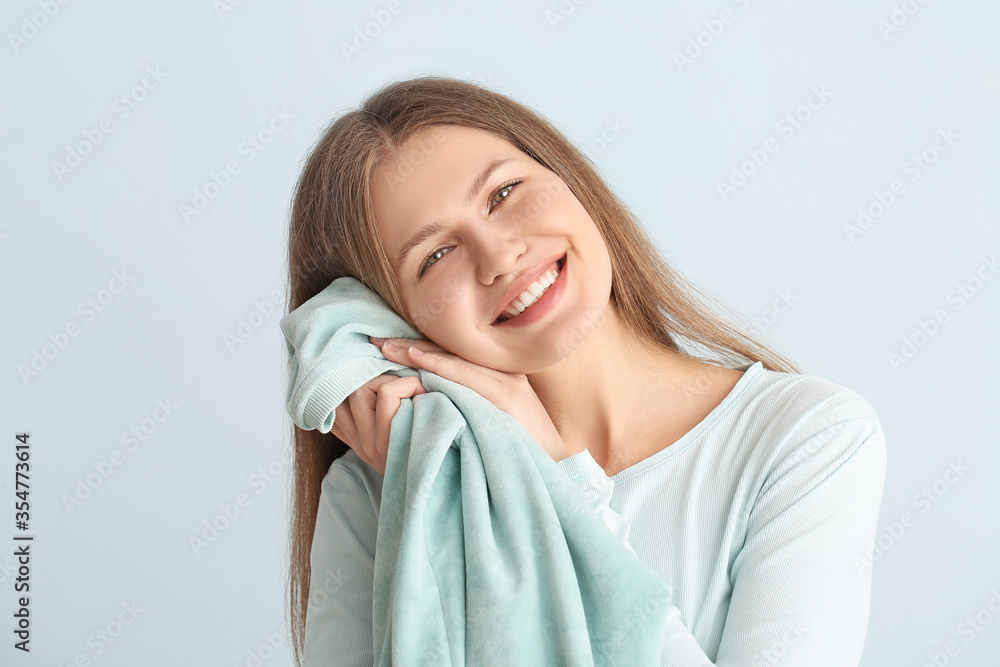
[621, 398]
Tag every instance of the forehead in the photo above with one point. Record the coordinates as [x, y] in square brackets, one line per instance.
[430, 177]
[444, 143]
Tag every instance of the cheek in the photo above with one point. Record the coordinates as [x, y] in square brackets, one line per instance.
[543, 203]
[565, 209]
[437, 312]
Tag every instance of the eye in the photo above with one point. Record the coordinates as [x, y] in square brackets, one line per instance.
[502, 192]
[427, 260]
[497, 199]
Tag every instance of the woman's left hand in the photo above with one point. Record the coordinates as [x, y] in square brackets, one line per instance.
[510, 392]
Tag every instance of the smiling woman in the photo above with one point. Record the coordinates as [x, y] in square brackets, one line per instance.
[478, 227]
[745, 484]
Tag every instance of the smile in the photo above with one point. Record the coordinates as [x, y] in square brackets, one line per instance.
[537, 298]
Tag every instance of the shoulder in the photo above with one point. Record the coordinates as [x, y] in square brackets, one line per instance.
[795, 396]
[809, 423]
[351, 480]
[793, 404]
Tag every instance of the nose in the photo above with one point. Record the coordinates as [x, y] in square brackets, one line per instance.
[497, 254]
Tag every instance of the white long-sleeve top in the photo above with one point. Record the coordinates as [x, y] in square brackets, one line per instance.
[761, 519]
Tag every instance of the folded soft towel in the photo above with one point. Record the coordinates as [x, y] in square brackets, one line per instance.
[487, 553]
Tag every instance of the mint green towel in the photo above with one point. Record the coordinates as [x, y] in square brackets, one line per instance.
[487, 553]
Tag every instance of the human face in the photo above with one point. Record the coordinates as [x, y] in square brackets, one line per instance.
[516, 222]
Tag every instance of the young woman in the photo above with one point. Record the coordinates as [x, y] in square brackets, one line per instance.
[753, 489]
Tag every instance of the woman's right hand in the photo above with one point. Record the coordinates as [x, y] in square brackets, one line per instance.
[362, 421]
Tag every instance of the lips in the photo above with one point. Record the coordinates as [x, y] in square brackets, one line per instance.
[521, 284]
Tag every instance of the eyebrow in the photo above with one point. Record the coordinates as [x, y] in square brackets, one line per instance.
[433, 228]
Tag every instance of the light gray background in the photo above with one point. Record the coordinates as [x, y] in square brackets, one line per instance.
[167, 335]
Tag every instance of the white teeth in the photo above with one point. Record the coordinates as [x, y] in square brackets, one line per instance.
[531, 295]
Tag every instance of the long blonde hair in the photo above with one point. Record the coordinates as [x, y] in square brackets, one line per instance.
[332, 233]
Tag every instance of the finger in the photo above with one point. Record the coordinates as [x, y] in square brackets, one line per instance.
[404, 343]
[363, 396]
[373, 384]
[343, 421]
[346, 429]
[363, 410]
[390, 395]
[402, 355]
[343, 437]
[485, 382]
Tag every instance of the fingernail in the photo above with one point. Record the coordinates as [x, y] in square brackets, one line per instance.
[377, 341]
[416, 351]
[389, 346]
